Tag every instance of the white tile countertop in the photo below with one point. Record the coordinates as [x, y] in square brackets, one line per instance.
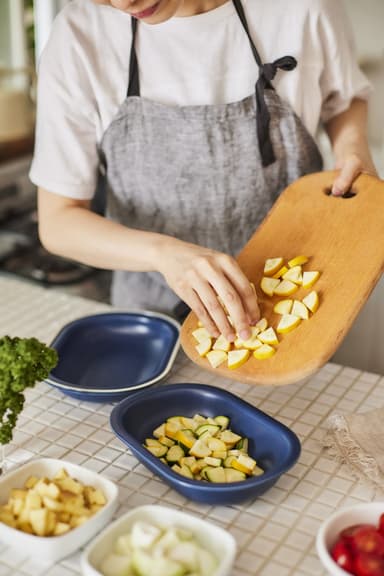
[275, 533]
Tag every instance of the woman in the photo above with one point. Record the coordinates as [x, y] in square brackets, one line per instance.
[200, 112]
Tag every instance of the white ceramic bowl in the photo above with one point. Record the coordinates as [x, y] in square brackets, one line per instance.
[329, 531]
[53, 548]
[213, 538]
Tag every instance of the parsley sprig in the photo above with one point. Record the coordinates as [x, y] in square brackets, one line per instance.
[23, 363]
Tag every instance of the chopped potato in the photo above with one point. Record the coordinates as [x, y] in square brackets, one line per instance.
[51, 507]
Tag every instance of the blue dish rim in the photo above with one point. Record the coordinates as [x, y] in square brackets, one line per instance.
[165, 471]
[62, 384]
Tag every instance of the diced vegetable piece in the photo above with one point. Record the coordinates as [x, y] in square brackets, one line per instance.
[188, 461]
[266, 351]
[242, 445]
[213, 429]
[152, 442]
[216, 357]
[198, 418]
[204, 347]
[183, 470]
[222, 421]
[166, 441]
[174, 454]
[216, 444]
[299, 309]
[287, 323]
[237, 358]
[246, 461]
[257, 471]
[309, 278]
[210, 461]
[285, 288]
[160, 431]
[283, 307]
[232, 475]
[188, 423]
[157, 451]
[216, 474]
[272, 265]
[236, 465]
[298, 261]
[262, 324]
[201, 334]
[229, 438]
[252, 343]
[172, 427]
[222, 344]
[200, 449]
[268, 285]
[186, 438]
[311, 301]
[268, 337]
[280, 272]
[222, 454]
[294, 274]
[228, 461]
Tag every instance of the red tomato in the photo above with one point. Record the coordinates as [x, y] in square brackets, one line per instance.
[369, 565]
[367, 540]
[348, 533]
[342, 555]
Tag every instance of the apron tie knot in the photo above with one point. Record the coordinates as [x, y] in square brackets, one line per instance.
[267, 74]
[268, 71]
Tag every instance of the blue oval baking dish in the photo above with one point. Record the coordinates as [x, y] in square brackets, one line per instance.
[274, 446]
[104, 357]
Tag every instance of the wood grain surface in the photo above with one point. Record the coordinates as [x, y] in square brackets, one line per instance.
[344, 239]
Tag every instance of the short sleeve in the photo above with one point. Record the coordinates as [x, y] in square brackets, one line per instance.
[65, 159]
[341, 80]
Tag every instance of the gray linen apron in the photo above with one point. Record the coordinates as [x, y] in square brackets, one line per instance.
[203, 174]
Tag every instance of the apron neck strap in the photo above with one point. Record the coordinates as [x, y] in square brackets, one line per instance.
[240, 12]
[134, 82]
[267, 72]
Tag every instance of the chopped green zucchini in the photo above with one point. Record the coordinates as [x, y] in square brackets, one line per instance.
[213, 461]
[158, 451]
[211, 428]
[216, 475]
[222, 421]
[200, 449]
[183, 470]
[232, 475]
[174, 454]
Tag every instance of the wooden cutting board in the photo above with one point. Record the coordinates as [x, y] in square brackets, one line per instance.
[344, 239]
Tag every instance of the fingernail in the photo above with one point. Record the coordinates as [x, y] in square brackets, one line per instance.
[231, 337]
[245, 334]
[336, 191]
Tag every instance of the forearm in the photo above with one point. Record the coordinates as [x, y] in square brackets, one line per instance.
[348, 135]
[77, 233]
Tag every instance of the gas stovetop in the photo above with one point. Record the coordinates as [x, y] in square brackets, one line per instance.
[21, 253]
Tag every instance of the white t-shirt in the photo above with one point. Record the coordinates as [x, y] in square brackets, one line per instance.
[203, 59]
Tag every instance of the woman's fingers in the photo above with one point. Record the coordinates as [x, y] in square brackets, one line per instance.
[223, 296]
[350, 170]
[244, 288]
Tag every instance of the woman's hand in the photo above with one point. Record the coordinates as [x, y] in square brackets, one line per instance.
[210, 282]
[350, 168]
[348, 135]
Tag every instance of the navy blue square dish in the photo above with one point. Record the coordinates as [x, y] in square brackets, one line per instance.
[274, 446]
[104, 357]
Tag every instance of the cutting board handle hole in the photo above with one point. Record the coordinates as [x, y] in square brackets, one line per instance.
[345, 196]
